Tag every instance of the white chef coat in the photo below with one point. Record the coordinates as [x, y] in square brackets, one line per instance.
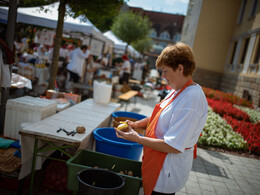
[77, 61]
[127, 65]
[180, 125]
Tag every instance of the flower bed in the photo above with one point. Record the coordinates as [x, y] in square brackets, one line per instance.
[218, 133]
[230, 113]
[250, 132]
[225, 108]
[226, 97]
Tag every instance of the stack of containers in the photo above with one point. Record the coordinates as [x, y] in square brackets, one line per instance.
[26, 109]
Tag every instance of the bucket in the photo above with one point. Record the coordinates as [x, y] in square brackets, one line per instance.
[116, 122]
[107, 142]
[128, 114]
[102, 92]
[99, 182]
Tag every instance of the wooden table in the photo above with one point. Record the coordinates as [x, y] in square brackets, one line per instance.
[127, 96]
[36, 135]
[134, 81]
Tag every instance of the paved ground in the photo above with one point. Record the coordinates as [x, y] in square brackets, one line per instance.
[212, 172]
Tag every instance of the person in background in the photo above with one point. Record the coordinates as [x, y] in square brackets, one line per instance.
[19, 47]
[90, 70]
[125, 70]
[41, 51]
[70, 49]
[75, 66]
[145, 69]
[174, 127]
[138, 69]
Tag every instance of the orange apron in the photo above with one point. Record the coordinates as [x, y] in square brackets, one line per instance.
[153, 160]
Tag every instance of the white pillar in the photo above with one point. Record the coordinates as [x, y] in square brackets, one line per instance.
[249, 52]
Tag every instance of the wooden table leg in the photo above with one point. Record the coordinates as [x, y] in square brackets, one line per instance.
[33, 164]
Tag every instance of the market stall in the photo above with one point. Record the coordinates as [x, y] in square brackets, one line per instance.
[34, 16]
[35, 65]
[119, 47]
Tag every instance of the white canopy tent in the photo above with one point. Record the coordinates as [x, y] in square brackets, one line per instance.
[34, 16]
[119, 45]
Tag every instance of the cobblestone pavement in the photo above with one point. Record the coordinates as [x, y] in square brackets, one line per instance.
[212, 172]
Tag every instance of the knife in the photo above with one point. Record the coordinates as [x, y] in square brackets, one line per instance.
[72, 132]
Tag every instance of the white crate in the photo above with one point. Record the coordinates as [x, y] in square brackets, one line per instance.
[26, 109]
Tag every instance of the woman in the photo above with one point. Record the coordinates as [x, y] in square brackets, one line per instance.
[174, 126]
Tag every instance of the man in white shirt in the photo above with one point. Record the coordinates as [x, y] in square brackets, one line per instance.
[126, 70]
[75, 67]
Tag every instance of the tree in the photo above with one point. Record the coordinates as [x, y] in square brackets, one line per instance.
[143, 45]
[99, 12]
[131, 27]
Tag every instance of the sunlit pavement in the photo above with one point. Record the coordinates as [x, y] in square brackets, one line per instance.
[212, 172]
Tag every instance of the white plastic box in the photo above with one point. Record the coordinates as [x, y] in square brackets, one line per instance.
[26, 109]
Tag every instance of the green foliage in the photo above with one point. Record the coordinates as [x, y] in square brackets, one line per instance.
[131, 27]
[99, 12]
[143, 45]
[218, 133]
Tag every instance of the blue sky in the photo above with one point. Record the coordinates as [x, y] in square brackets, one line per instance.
[167, 6]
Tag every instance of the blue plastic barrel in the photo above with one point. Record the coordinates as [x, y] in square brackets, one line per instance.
[128, 114]
[107, 142]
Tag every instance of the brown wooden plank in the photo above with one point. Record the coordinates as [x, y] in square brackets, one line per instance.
[128, 95]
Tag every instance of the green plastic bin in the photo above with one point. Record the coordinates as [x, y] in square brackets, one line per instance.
[88, 159]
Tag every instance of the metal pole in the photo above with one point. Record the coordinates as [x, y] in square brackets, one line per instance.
[10, 32]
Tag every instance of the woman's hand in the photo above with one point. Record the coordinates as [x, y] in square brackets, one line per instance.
[130, 134]
[132, 124]
[139, 124]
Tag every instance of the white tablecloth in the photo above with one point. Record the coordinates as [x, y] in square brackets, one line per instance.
[87, 114]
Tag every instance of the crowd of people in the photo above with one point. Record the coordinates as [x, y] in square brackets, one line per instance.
[78, 64]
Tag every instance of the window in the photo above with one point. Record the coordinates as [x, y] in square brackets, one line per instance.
[242, 59]
[233, 53]
[246, 95]
[257, 52]
[254, 62]
[253, 9]
[163, 44]
[177, 37]
[242, 11]
[164, 35]
[153, 34]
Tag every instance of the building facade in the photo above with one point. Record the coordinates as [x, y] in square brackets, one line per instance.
[225, 37]
[166, 27]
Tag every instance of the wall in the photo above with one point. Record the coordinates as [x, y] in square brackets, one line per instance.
[215, 27]
[237, 84]
[248, 23]
[207, 78]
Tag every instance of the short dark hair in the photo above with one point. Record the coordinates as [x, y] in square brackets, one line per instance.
[84, 47]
